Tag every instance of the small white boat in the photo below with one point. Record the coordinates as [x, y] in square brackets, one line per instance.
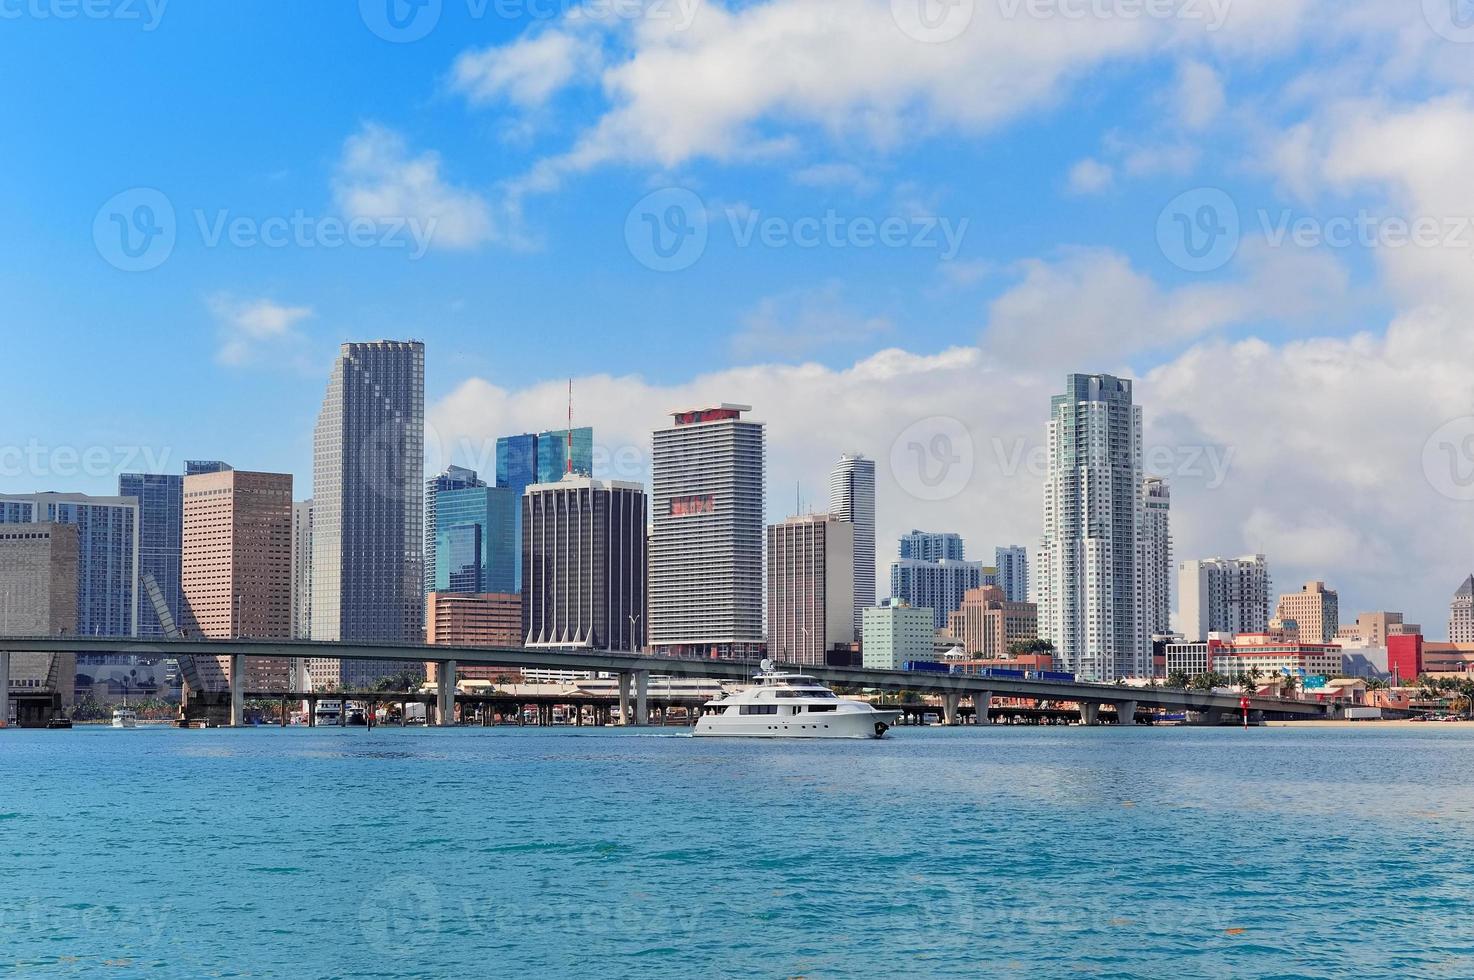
[791, 706]
[125, 717]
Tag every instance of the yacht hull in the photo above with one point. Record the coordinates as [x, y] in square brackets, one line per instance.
[868, 724]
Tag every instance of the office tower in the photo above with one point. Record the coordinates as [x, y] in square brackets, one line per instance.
[195, 467]
[367, 522]
[852, 500]
[160, 542]
[1222, 595]
[1315, 611]
[1154, 558]
[938, 585]
[236, 574]
[453, 478]
[474, 542]
[1461, 613]
[107, 553]
[39, 565]
[988, 624]
[706, 558]
[583, 563]
[894, 633]
[1013, 572]
[811, 591]
[302, 570]
[534, 457]
[1087, 587]
[931, 546]
[1372, 629]
[474, 620]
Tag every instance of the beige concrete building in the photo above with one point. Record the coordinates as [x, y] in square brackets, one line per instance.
[1461, 613]
[1371, 630]
[236, 575]
[811, 587]
[988, 624]
[38, 597]
[1315, 611]
[489, 619]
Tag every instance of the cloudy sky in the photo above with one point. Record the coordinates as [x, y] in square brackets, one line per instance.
[891, 227]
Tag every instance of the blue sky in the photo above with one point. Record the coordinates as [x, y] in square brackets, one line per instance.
[1054, 144]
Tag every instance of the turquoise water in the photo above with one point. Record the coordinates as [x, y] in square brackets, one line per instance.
[1042, 852]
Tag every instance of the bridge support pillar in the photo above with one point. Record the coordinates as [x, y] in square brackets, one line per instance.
[4, 689]
[642, 697]
[237, 690]
[1089, 714]
[445, 694]
[1125, 712]
[624, 699]
[949, 708]
[982, 701]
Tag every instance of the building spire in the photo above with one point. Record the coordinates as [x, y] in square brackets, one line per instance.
[569, 447]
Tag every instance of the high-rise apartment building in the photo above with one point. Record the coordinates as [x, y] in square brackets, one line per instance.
[540, 457]
[107, 553]
[453, 478]
[895, 632]
[302, 570]
[39, 566]
[988, 624]
[475, 541]
[1154, 557]
[1461, 613]
[368, 524]
[1012, 563]
[811, 601]
[1087, 584]
[931, 546]
[1223, 595]
[583, 563]
[1315, 610]
[938, 585]
[160, 543]
[852, 500]
[236, 573]
[706, 553]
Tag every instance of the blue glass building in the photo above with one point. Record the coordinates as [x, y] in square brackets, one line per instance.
[542, 457]
[476, 540]
[454, 478]
[107, 572]
[160, 542]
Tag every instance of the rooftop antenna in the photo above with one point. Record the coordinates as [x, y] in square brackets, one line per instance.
[569, 447]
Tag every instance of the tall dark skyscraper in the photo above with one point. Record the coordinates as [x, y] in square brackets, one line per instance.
[368, 505]
[160, 543]
[541, 457]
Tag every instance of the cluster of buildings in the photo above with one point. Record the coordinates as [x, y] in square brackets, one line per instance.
[540, 553]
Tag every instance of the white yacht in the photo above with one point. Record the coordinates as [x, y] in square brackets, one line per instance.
[791, 706]
[125, 717]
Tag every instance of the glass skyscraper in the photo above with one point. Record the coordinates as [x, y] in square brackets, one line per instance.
[368, 499]
[932, 546]
[454, 478]
[475, 540]
[532, 458]
[107, 554]
[160, 543]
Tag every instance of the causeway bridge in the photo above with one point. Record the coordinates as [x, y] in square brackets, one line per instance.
[634, 670]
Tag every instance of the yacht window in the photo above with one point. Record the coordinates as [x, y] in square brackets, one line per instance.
[823, 707]
[759, 709]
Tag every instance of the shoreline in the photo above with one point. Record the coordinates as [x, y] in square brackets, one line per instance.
[1367, 723]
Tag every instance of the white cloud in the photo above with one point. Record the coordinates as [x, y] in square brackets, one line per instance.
[835, 175]
[1198, 94]
[378, 179]
[1090, 176]
[803, 322]
[250, 328]
[526, 72]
